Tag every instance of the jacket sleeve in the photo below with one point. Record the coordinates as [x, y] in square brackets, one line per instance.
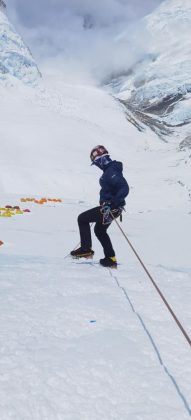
[120, 185]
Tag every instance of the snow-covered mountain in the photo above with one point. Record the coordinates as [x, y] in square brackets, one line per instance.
[156, 91]
[16, 61]
[77, 341]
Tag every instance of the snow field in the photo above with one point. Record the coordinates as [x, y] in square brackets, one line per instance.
[79, 342]
[56, 362]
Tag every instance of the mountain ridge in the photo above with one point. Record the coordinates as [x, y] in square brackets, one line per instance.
[156, 91]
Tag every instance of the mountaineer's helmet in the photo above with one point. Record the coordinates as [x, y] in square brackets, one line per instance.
[97, 152]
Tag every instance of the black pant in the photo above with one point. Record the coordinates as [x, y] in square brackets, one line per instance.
[91, 216]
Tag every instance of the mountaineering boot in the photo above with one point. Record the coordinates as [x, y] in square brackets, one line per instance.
[82, 253]
[109, 262]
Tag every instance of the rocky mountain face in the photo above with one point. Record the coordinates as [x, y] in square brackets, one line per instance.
[156, 91]
[2, 5]
[16, 61]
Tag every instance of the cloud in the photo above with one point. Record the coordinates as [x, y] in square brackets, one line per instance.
[104, 12]
[87, 32]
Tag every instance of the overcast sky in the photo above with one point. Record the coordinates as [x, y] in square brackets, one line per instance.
[44, 12]
[87, 29]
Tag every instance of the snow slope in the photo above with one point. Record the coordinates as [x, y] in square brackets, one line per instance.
[157, 90]
[16, 61]
[79, 342]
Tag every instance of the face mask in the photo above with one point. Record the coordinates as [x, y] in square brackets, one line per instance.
[102, 162]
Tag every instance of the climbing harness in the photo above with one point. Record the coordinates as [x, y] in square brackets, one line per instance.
[109, 215]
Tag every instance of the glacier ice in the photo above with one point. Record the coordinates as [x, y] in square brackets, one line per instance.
[16, 61]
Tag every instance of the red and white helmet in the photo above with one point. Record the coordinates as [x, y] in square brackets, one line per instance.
[97, 152]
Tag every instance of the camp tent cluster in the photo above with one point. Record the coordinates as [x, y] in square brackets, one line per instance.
[41, 200]
[9, 211]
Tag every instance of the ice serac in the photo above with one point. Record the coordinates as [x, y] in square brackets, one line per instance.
[156, 91]
[16, 61]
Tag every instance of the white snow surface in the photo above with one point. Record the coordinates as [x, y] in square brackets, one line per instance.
[77, 341]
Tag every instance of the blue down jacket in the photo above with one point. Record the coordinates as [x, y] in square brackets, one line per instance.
[114, 187]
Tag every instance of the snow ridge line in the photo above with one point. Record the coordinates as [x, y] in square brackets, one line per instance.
[154, 345]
